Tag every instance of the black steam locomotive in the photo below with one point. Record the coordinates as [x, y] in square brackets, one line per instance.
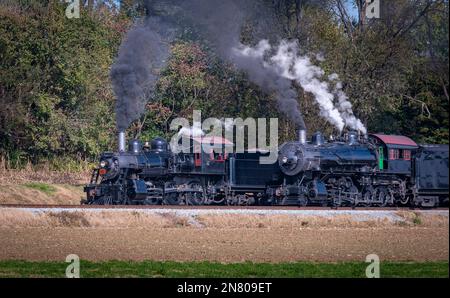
[374, 170]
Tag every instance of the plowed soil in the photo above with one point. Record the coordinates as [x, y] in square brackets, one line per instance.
[226, 244]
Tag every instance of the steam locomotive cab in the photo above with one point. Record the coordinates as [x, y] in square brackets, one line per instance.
[199, 171]
[395, 166]
[395, 153]
[205, 155]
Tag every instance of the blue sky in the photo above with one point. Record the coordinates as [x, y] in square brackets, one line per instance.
[348, 3]
[351, 8]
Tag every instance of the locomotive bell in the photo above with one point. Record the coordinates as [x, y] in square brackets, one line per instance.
[317, 139]
[352, 138]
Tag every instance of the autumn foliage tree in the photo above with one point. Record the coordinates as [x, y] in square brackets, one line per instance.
[56, 99]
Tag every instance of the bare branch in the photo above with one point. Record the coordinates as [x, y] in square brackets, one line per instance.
[362, 9]
[346, 20]
[425, 108]
[430, 5]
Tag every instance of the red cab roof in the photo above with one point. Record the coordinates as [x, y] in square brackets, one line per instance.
[396, 140]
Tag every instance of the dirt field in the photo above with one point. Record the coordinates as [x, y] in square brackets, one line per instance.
[98, 237]
[225, 245]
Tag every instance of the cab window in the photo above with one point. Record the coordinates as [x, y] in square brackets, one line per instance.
[394, 154]
[406, 154]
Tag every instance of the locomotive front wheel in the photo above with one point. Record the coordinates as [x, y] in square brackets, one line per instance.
[102, 201]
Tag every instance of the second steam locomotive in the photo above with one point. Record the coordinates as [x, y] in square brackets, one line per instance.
[374, 170]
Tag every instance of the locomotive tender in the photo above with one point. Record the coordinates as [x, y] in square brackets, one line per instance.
[374, 170]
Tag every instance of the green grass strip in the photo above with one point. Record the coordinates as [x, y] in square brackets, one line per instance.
[45, 188]
[210, 270]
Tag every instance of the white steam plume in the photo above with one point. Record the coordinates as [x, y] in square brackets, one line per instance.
[345, 106]
[191, 132]
[288, 63]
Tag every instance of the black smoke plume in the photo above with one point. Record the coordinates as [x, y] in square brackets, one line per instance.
[220, 22]
[135, 73]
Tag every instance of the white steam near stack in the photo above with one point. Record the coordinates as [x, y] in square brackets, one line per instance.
[288, 63]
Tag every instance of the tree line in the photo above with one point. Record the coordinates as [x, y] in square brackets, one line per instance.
[56, 99]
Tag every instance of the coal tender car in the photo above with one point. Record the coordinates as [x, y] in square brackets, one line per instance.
[374, 170]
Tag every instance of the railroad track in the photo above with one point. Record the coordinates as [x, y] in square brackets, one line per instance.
[165, 207]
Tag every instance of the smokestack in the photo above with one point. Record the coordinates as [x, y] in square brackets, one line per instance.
[122, 141]
[302, 136]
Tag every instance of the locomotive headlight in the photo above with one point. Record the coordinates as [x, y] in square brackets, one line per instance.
[103, 164]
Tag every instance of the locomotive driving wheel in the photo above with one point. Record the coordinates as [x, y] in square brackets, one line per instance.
[171, 196]
[382, 196]
[368, 197]
[195, 196]
[154, 196]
